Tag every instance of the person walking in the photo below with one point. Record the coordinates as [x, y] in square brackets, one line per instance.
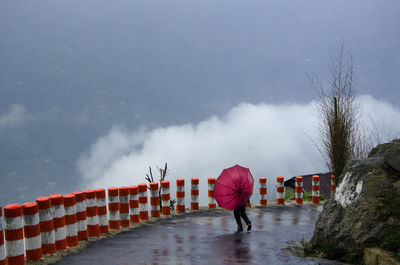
[241, 212]
[232, 190]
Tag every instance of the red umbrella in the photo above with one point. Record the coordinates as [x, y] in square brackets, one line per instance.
[233, 187]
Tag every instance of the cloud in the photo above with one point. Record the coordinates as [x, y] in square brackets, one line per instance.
[381, 116]
[15, 116]
[272, 140]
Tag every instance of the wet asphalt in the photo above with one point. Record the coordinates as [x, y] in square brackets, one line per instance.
[208, 237]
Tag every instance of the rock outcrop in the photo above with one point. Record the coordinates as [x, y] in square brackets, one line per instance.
[364, 210]
[377, 256]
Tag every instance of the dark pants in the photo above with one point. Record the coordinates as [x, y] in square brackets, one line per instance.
[241, 212]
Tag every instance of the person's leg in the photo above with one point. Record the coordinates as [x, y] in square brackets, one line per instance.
[245, 217]
[236, 213]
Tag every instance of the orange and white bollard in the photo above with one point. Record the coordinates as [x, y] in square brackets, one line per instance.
[298, 192]
[332, 183]
[211, 199]
[315, 189]
[2, 250]
[33, 241]
[14, 234]
[81, 215]
[47, 232]
[165, 198]
[280, 190]
[113, 208]
[57, 205]
[194, 204]
[71, 225]
[102, 210]
[263, 191]
[154, 200]
[123, 193]
[134, 204]
[91, 214]
[143, 212]
[180, 195]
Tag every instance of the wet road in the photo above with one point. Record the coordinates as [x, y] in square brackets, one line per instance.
[207, 237]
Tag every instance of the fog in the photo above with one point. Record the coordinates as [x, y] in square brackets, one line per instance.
[272, 140]
[76, 71]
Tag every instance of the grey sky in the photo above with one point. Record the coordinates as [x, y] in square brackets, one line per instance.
[78, 67]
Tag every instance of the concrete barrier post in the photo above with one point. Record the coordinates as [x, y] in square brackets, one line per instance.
[165, 198]
[91, 214]
[211, 200]
[180, 195]
[154, 200]
[123, 193]
[102, 210]
[33, 241]
[263, 191]
[2, 249]
[194, 205]
[57, 205]
[81, 215]
[47, 232]
[14, 234]
[315, 189]
[280, 190]
[113, 208]
[71, 225]
[332, 183]
[299, 190]
[134, 204]
[143, 211]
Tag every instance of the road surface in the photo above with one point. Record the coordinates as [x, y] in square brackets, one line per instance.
[207, 237]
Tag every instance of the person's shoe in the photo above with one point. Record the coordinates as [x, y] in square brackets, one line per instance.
[249, 227]
[240, 228]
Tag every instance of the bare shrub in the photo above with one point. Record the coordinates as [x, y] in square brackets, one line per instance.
[343, 136]
[163, 173]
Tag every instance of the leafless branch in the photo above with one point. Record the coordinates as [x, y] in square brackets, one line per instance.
[343, 137]
[163, 174]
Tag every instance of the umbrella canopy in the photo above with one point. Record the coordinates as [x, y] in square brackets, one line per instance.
[233, 187]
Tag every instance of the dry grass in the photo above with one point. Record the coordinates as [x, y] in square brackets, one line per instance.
[343, 137]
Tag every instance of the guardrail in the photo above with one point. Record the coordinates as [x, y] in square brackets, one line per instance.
[58, 222]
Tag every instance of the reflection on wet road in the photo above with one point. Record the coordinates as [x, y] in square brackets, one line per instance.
[207, 237]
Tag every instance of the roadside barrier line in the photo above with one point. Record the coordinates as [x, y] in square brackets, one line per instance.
[211, 200]
[154, 200]
[102, 210]
[299, 190]
[315, 189]
[263, 191]
[113, 208]
[81, 215]
[32, 238]
[123, 193]
[2, 249]
[165, 198]
[57, 205]
[14, 234]
[180, 195]
[47, 232]
[71, 223]
[143, 211]
[194, 205]
[134, 204]
[280, 190]
[57, 222]
[91, 214]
